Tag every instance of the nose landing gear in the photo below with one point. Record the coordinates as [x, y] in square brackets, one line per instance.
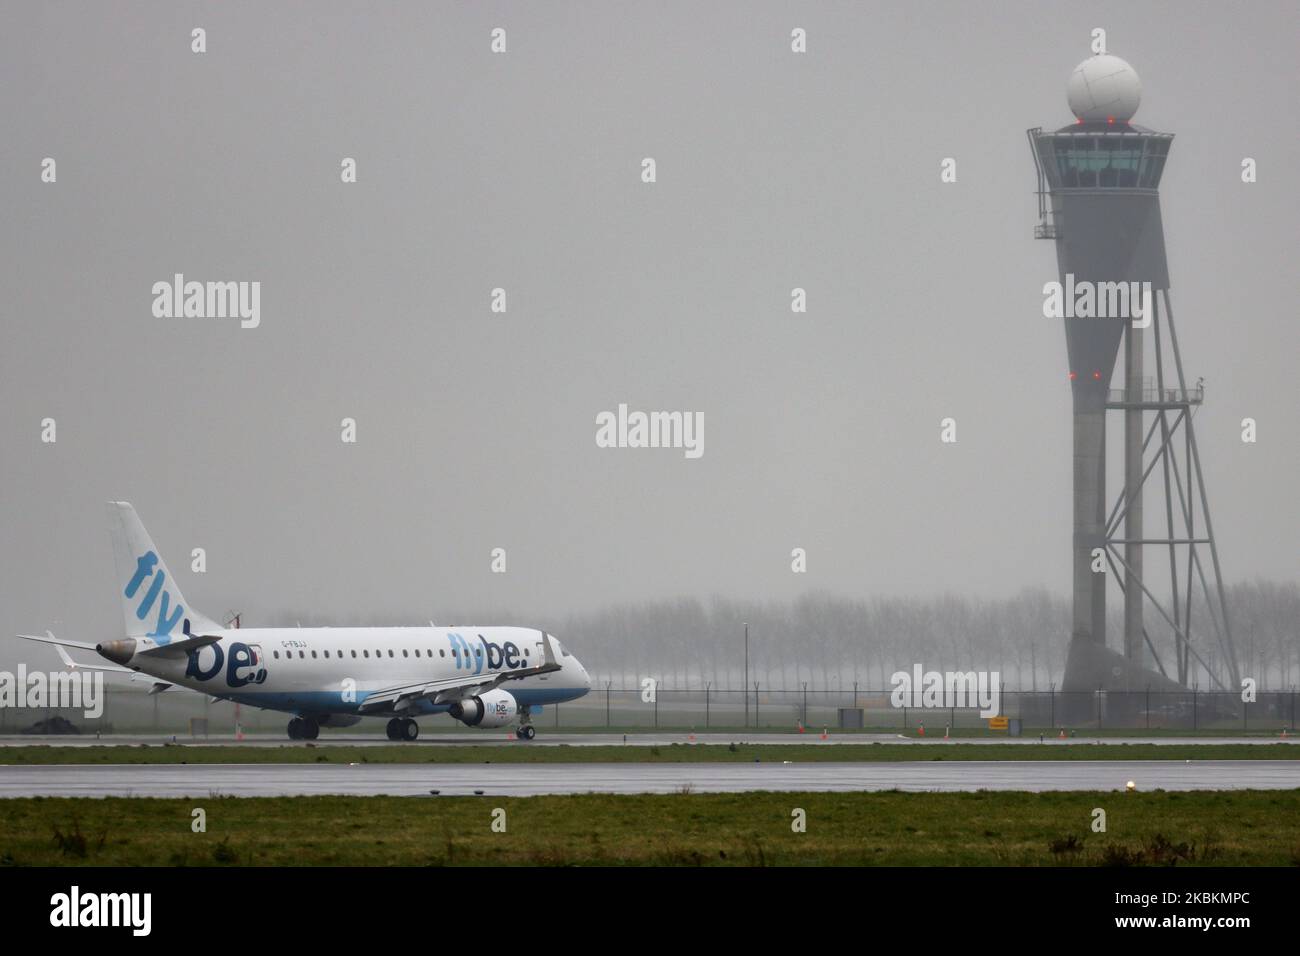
[403, 728]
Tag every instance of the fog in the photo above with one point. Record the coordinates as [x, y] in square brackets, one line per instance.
[476, 430]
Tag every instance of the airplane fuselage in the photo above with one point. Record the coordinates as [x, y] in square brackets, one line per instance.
[324, 670]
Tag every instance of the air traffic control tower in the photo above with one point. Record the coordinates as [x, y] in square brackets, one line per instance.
[1099, 203]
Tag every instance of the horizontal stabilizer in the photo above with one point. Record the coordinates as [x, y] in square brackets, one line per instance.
[49, 638]
[68, 662]
[181, 648]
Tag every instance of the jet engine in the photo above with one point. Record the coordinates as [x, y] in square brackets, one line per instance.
[496, 708]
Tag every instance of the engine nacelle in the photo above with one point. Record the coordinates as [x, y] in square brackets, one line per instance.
[496, 708]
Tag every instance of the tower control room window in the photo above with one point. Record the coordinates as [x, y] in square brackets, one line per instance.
[1123, 161]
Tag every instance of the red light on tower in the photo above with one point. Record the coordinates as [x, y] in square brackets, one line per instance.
[1073, 376]
[1097, 375]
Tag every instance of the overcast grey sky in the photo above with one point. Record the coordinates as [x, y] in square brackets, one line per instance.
[522, 171]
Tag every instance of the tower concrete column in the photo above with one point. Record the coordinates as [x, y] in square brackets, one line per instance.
[1133, 648]
[1089, 517]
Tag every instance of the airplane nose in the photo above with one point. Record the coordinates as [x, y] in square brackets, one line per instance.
[119, 652]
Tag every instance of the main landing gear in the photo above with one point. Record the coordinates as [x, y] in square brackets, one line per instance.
[403, 728]
[526, 732]
[303, 728]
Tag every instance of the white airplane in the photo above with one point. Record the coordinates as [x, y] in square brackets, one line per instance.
[326, 677]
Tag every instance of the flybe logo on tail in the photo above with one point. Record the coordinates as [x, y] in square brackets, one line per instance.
[494, 656]
[169, 615]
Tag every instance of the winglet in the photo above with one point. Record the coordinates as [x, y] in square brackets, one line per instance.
[550, 663]
[548, 651]
[68, 662]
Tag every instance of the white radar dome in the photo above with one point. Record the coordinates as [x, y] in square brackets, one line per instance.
[1104, 89]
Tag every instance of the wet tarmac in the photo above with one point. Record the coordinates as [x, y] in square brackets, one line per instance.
[265, 780]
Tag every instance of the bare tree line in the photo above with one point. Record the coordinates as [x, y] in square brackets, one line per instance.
[832, 642]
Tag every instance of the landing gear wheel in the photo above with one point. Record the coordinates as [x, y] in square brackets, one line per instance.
[527, 732]
[395, 729]
[410, 729]
[303, 728]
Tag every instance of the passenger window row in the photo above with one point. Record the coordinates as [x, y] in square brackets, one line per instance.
[478, 652]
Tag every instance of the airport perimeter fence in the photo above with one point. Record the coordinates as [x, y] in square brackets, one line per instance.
[130, 710]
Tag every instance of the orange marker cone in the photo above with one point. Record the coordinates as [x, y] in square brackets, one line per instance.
[1284, 733]
[692, 738]
[921, 731]
[799, 723]
[1062, 733]
[825, 735]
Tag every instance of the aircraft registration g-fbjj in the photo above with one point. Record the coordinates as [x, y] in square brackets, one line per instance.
[326, 677]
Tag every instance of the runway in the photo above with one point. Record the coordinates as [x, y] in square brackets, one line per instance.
[600, 739]
[520, 780]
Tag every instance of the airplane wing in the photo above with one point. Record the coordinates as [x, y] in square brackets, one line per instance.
[403, 696]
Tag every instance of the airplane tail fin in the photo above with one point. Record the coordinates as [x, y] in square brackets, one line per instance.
[152, 603]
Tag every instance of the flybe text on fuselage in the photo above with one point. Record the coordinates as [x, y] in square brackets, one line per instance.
[241, 664]
[492, 656]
